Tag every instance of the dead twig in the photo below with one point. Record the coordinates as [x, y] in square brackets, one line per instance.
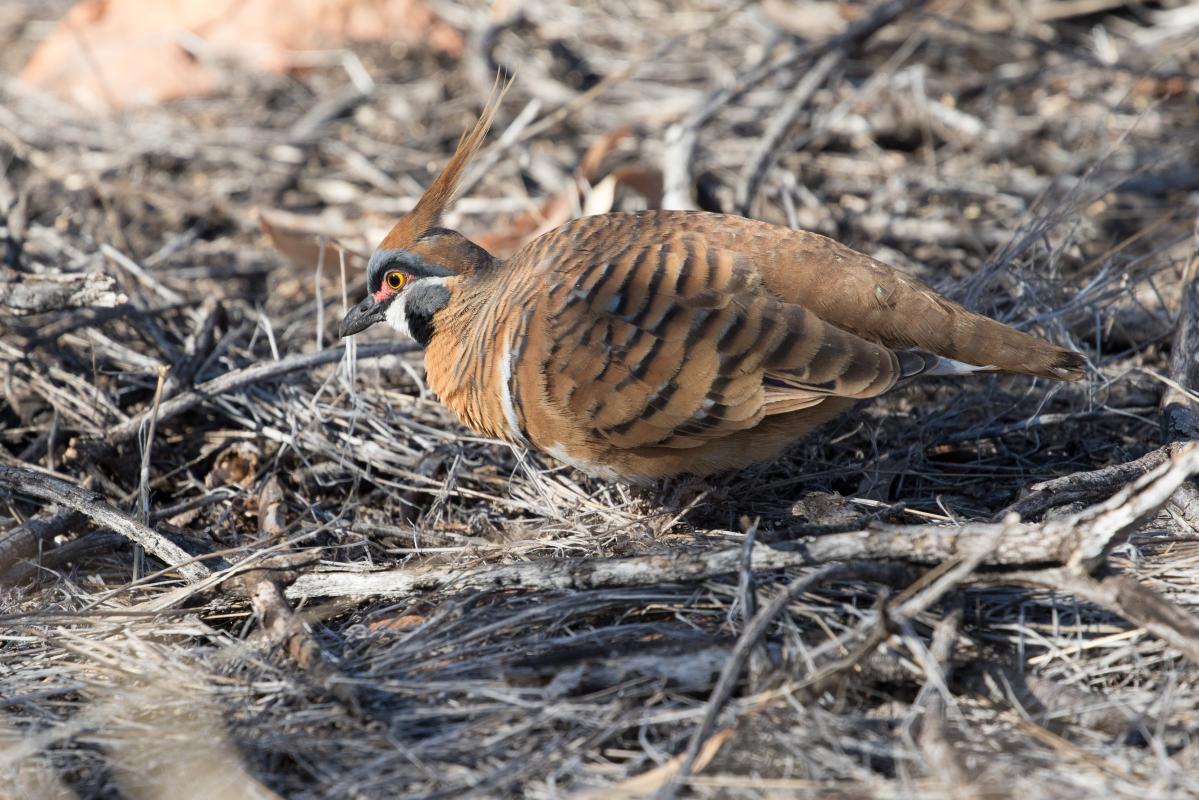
[22, 293]
[264, 586]
[1078, 540]
[143, 487]
[1180, 412]
[1123, 596]
[248, 376]
[769, 147]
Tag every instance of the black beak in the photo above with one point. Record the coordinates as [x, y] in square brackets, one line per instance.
[362, 316]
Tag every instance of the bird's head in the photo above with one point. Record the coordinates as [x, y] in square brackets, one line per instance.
[402, 288]
[408, 275]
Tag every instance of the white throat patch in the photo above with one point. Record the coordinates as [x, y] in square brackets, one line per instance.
[397, 316]
[397, 312]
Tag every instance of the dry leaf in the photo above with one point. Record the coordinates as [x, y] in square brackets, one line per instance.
[650, 782]
[813, 20]
[397, 624]
[111, 54]
[299, 238]
[586, 195]
[237, 464]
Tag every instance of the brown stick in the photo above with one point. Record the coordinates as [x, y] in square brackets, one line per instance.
[265, 584]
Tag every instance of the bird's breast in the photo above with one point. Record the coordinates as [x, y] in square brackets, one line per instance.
[469, 363]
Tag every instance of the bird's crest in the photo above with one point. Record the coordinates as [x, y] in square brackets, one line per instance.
[432, 204]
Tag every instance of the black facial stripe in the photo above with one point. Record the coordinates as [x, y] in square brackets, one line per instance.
[422, 300]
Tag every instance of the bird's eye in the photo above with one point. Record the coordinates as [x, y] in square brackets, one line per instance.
[396, 279]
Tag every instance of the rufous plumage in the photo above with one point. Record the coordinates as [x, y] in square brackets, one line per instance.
[637, 346]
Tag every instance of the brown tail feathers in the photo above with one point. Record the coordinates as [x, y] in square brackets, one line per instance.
[878, 302]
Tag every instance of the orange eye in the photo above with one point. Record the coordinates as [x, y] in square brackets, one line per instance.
[396, 280]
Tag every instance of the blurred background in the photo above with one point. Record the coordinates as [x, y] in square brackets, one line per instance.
[929, 148]
[170, 170]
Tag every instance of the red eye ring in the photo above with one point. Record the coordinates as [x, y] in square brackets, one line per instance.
[396, 280]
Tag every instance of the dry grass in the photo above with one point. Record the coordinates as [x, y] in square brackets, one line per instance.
[1043, 173]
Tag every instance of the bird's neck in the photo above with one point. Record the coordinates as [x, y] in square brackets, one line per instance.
[459, 355]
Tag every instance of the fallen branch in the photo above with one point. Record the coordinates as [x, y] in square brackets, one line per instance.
[1099, 528]
[26, 540]
[1079, 539]
[52, 560]
[23, 293]
[1185, 503]
[1086, 486]
[44, 487]
[22, 548]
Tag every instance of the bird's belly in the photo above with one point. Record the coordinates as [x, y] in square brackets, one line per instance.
[530, 420]
[645, 465]
[588, 464]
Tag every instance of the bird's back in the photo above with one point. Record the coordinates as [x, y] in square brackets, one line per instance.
[846, 288]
